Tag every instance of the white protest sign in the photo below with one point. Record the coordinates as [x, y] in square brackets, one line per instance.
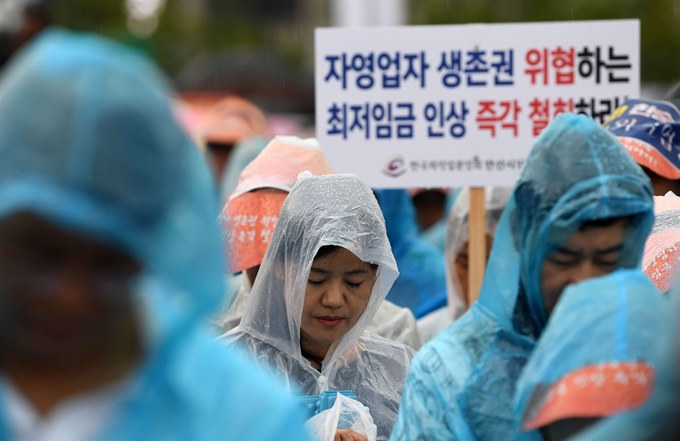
[447, 106]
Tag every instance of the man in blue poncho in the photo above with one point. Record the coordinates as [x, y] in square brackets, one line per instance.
[582, 208]
[109, 261]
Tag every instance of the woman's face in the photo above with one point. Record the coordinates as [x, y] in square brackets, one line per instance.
[338, 289]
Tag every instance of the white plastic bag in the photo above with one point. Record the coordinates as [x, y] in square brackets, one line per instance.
[346, 413]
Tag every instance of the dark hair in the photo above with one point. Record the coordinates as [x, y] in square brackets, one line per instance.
[604, 223]
[329, 250]
[219, 146]
[429, 197]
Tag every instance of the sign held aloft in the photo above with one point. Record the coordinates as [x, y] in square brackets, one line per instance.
[447, 106]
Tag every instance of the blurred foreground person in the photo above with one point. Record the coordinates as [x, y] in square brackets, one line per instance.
[598, 356]
[581, 209]
[109, 261]
[650, 131]
[326, 271]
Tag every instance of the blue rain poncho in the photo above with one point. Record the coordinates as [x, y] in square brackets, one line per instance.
[618, 318]
[421, 285]
[462, 383]
[331, 210]
[88, 141]
[659, 418]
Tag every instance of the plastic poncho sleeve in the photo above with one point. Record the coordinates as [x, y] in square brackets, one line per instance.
[429, 407]
[417, 399]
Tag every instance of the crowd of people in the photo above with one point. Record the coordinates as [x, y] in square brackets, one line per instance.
[226, 284]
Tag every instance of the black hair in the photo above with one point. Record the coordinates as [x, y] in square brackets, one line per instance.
[604, 223]
[328, 250]
[219, 146]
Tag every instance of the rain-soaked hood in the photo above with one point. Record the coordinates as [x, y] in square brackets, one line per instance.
[576, 172]
[88, 141]
[600, 343]
[101, 154]
[338, 210]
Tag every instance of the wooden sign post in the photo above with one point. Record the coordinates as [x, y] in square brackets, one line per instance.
[477, 243]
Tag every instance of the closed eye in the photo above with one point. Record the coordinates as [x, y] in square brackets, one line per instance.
[563, 262]
[606, 263]
[316, 282]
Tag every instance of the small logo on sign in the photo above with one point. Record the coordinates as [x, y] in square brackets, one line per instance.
[396, 166]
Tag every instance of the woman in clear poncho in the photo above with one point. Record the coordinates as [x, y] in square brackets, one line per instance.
[262, 187]
[581, 208]
[339, 212]
[457, 232]
[92, 159]
[598, 356]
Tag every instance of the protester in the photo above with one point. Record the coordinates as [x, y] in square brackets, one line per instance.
[248, 220]
[326, 271]
[650, 131]
[421, 285]
[457, 257]
[659, 418]
[597, 357]
[230, 121]
[430, 206]
[435, 233]
[110, 259]
[582, 208]
[662, 249]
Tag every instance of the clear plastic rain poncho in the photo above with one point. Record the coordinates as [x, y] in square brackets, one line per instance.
[88, 141]
[598, 355]
[421, 285]
[288, 156]
[457, 232]
[337, 210]
[462, 383]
